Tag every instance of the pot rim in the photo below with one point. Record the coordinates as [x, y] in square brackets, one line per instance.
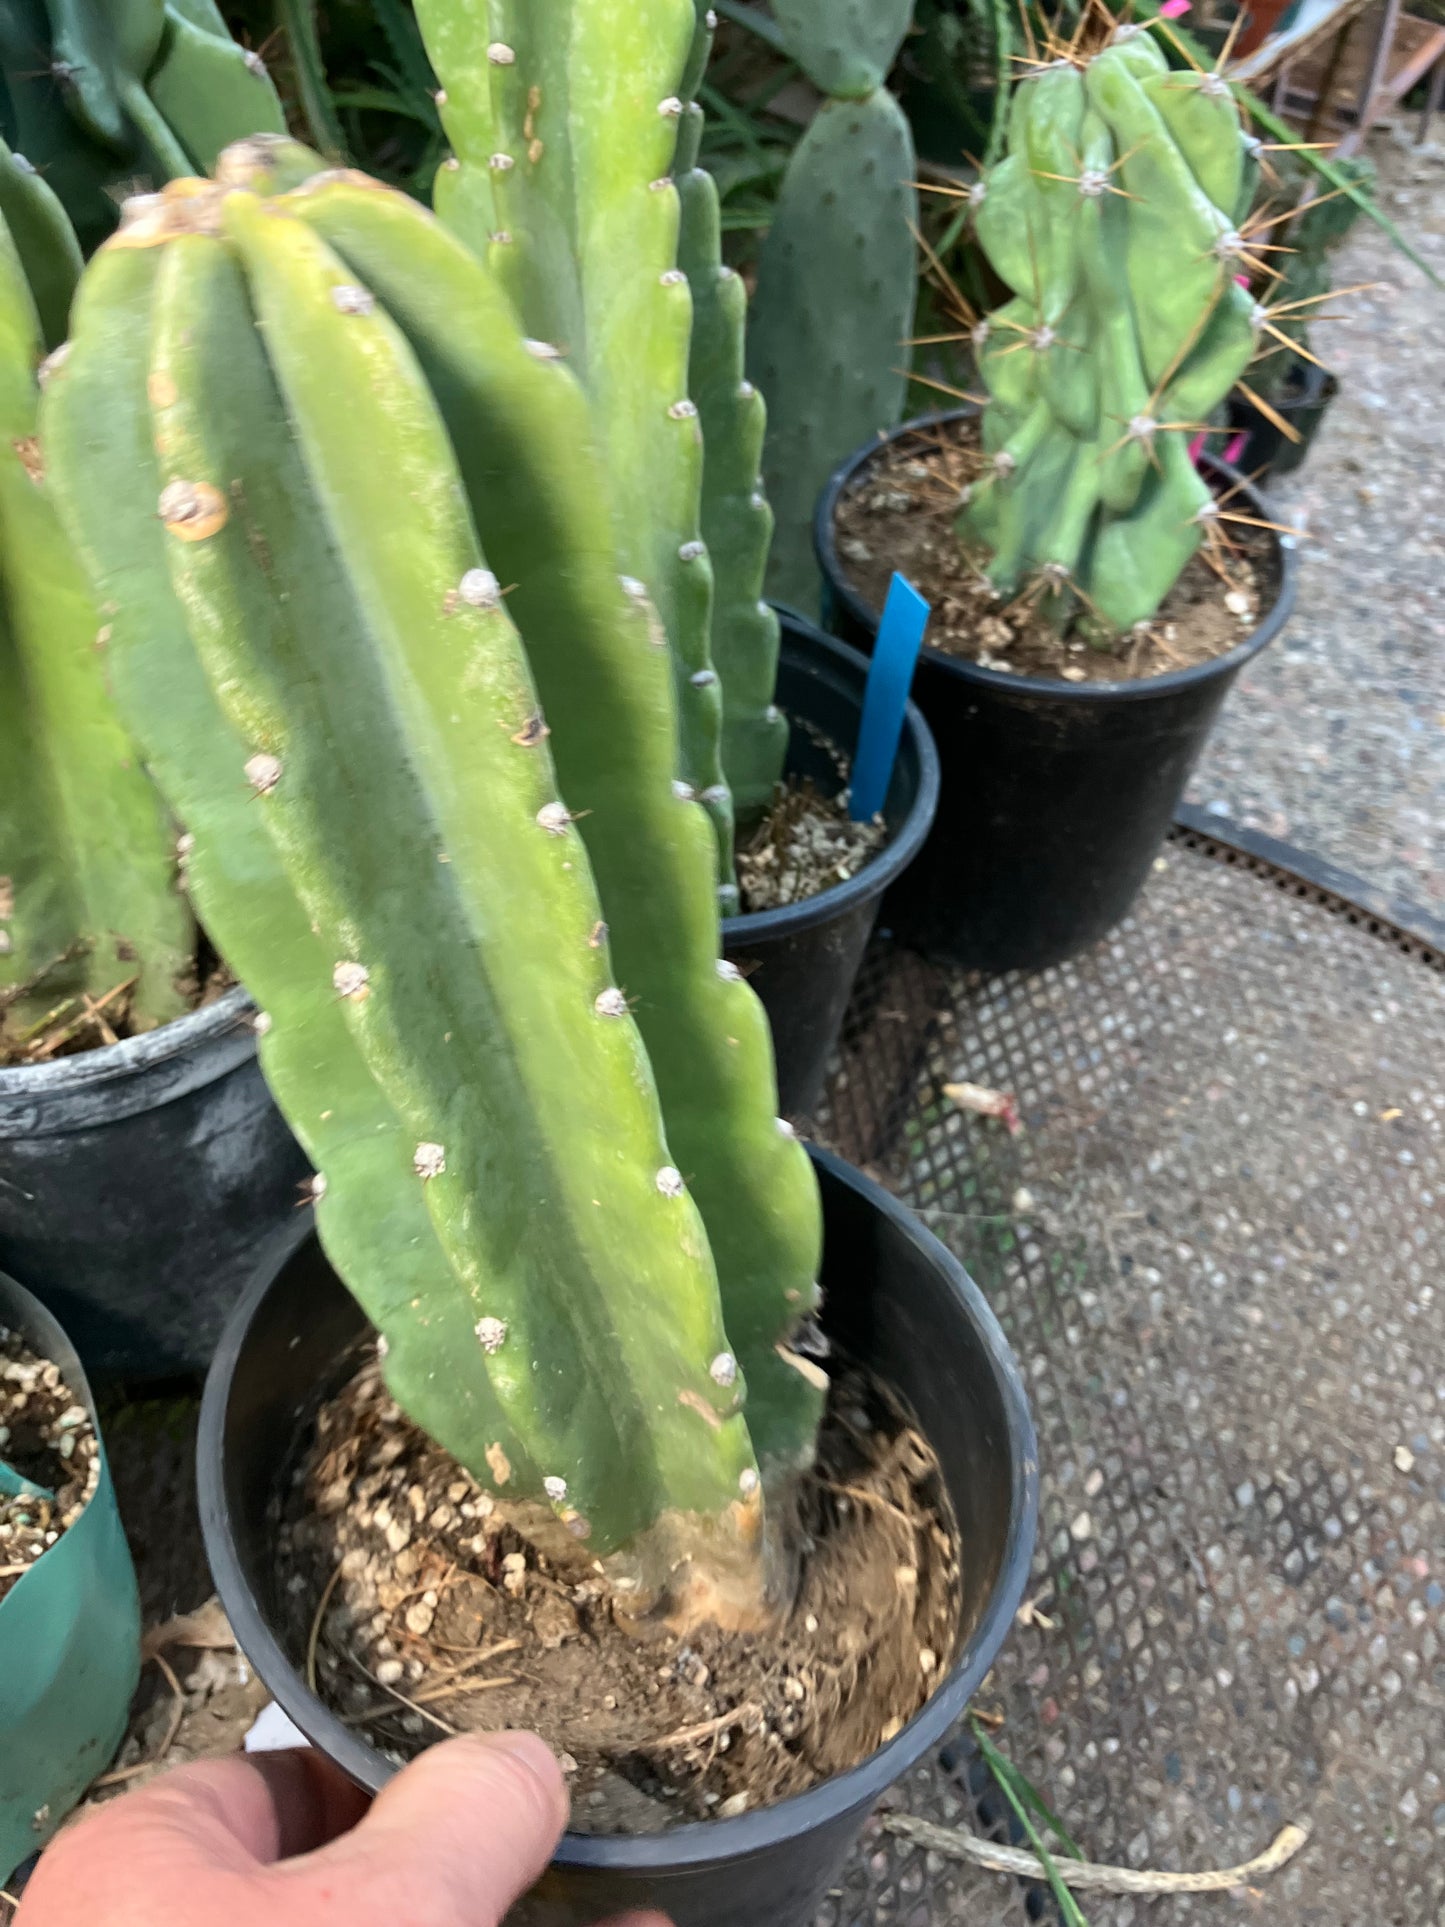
[109, 1063]
[704, 1843]
[881, 869]
[1139, 689]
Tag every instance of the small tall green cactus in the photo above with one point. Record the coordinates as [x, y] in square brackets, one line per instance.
[101, 94]
[563, 123]
[88, 880]
[424, 736]
[837, 278]
[1114, 218]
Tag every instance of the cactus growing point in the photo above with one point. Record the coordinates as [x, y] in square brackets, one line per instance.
[499, 1188]
[1113, 219]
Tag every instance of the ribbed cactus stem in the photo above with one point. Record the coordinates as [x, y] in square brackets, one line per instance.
[88, 881]
[340, 697]
[737, 524]
[610, 714]
[1113, 220]
[571, 114]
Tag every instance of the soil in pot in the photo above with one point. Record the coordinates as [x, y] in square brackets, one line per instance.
[47, 1437]
[75, 1022]
[805, 844]
[420, 1606]
[899, 513]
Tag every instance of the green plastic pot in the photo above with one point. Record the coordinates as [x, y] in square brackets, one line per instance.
[69, 1638]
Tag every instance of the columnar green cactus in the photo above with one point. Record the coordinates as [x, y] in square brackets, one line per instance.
[563, 123]
[833, 311]
[424, 738]
[1113, 219]
[88, 894]
[100, 93]
[737, 524]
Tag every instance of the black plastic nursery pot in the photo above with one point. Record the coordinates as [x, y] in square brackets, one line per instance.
[1056, 796]
[895, 1299]
[802, 960]
[140, 1182]
[1303, 401]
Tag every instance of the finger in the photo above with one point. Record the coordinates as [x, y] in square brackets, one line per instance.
[472, 1823]
[211, 1817]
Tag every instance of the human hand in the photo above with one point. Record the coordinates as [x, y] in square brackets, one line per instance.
[286, 1840]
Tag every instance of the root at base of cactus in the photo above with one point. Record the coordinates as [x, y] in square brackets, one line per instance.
[738, 1571]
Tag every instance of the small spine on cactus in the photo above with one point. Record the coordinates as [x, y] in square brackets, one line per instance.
[583, 232]
[1112, 220]
[325, 611]
[88, 879]
[833, 311]
[737, 524]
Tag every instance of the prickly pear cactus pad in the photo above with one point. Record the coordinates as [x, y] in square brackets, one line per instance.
[828, 343]
[368, 621]
[88, 878]
[564, 122]
[1113, 219]
[845, 47]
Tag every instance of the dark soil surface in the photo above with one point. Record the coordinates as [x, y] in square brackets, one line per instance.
[78, 1022]
[422, 1607]
[900, 514]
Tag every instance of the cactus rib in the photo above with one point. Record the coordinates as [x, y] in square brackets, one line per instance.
[737, 524]
[88, 896]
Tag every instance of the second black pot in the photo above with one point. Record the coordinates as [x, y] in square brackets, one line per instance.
[1303, 401]
[894, 1298]
[1056, 796]
[138, 1184]
[802, 960]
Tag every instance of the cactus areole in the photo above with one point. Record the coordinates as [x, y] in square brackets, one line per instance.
[1115, 219]
[355, 550]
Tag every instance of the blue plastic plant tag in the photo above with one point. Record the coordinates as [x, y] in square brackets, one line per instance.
[890, 676]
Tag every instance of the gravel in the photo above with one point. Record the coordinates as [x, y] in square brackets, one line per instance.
[1335, 739]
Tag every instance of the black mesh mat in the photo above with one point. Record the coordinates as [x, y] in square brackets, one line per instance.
[1214, 1247]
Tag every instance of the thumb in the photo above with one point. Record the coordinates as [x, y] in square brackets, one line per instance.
[452, 1841]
